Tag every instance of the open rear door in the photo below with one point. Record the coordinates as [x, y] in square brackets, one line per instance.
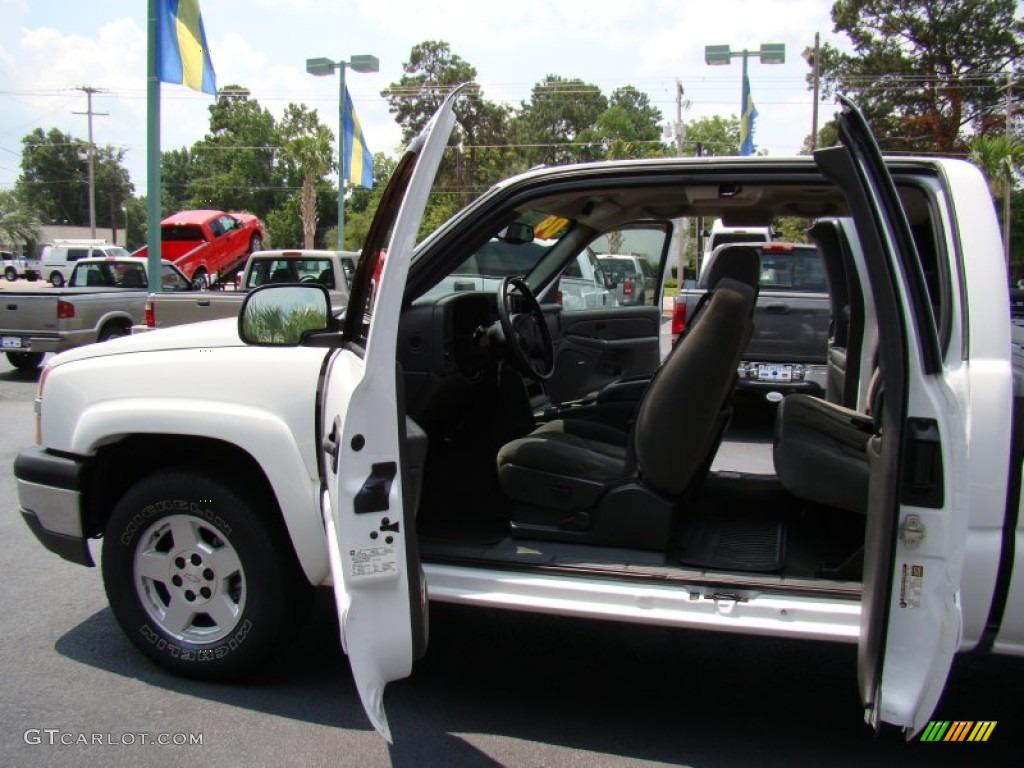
[368, 505]
[918, 495]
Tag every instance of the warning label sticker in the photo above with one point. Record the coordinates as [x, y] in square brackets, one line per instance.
[373, 562]
[910, 586]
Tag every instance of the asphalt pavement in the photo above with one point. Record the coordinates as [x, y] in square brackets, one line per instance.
[495, 689]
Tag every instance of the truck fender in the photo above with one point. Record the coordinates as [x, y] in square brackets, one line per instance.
[259, 433]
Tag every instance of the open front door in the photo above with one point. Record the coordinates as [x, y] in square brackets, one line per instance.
[368, 504]
[918, 491]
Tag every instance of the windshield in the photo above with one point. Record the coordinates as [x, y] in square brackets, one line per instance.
[515, 250]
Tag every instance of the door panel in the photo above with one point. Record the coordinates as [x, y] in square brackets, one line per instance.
[368, 511]
[596, 347]
[910, 613]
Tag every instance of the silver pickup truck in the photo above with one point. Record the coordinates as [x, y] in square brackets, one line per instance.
[332, 269]
[104, 298]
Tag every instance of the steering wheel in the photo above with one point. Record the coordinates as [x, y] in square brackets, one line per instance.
[309, 279]
[526, 333]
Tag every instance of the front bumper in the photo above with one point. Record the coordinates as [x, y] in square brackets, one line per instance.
[50, 495]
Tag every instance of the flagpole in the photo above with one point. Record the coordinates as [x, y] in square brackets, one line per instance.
[342, 154]
[153, 155]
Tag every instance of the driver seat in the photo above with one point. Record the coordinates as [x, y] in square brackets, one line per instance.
[582, 481]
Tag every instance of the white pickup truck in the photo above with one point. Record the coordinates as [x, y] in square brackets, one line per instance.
[394, 454]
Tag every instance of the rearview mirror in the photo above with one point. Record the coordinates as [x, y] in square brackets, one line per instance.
[517, 233]
[282, 315]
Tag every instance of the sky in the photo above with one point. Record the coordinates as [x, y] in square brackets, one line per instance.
[50, 48]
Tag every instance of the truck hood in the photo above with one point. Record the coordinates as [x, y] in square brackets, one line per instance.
[213, 334]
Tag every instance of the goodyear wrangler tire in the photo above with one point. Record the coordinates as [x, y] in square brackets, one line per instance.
[198, 578]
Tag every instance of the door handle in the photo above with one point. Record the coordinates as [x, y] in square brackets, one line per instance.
[373, 496]
[330, 444]
[777, 308]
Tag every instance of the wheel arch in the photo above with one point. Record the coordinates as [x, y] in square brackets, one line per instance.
[119, 465]
[114, 319]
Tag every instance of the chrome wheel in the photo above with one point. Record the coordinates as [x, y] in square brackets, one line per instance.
[189, 579]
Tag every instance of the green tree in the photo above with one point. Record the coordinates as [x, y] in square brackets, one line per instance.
[559, 122]
[54, 177]
[235, 166]
[478, 151]
[999, 158]
[19, 221]
[178, 169]
[925, 72]
[307, 154]
[362, 203]
[113, 187]
[630, 127]
[713, 136]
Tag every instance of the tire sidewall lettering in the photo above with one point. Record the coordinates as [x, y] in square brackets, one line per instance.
[169, 506]
[182, 653]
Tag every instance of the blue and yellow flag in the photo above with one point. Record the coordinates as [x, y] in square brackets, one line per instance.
[748, 113]
[358, 169]
[182, 55]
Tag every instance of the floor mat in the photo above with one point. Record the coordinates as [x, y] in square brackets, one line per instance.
[733, 544]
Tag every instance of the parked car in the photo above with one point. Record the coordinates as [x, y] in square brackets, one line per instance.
[57, 260]
[15, 266]
[634, 279]
[208, 246]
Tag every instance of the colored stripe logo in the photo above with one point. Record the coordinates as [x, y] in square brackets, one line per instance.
[958, 730]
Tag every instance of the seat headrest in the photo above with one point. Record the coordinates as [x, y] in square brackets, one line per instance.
[739, 262]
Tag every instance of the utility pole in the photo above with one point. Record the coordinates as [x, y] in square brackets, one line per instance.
[817, 79]
[89, 91]
[1007, 178]
[684, 223]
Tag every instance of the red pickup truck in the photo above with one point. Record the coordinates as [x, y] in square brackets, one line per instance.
[208, 246]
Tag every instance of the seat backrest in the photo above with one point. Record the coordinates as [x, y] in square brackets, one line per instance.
[326, 278]
[684, 410]
[741, 263]
[281, 275]
[738, 262]
[132, 279]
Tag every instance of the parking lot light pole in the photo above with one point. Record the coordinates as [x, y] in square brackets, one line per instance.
[722, 55]
[321, 67]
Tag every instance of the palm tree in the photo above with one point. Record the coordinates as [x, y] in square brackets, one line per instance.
[999, 158]
[307, 150]
[18, 222]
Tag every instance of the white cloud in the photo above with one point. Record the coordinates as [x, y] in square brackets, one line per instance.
[48, 48]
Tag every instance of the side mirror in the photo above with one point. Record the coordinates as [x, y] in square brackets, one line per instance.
[282, 315]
